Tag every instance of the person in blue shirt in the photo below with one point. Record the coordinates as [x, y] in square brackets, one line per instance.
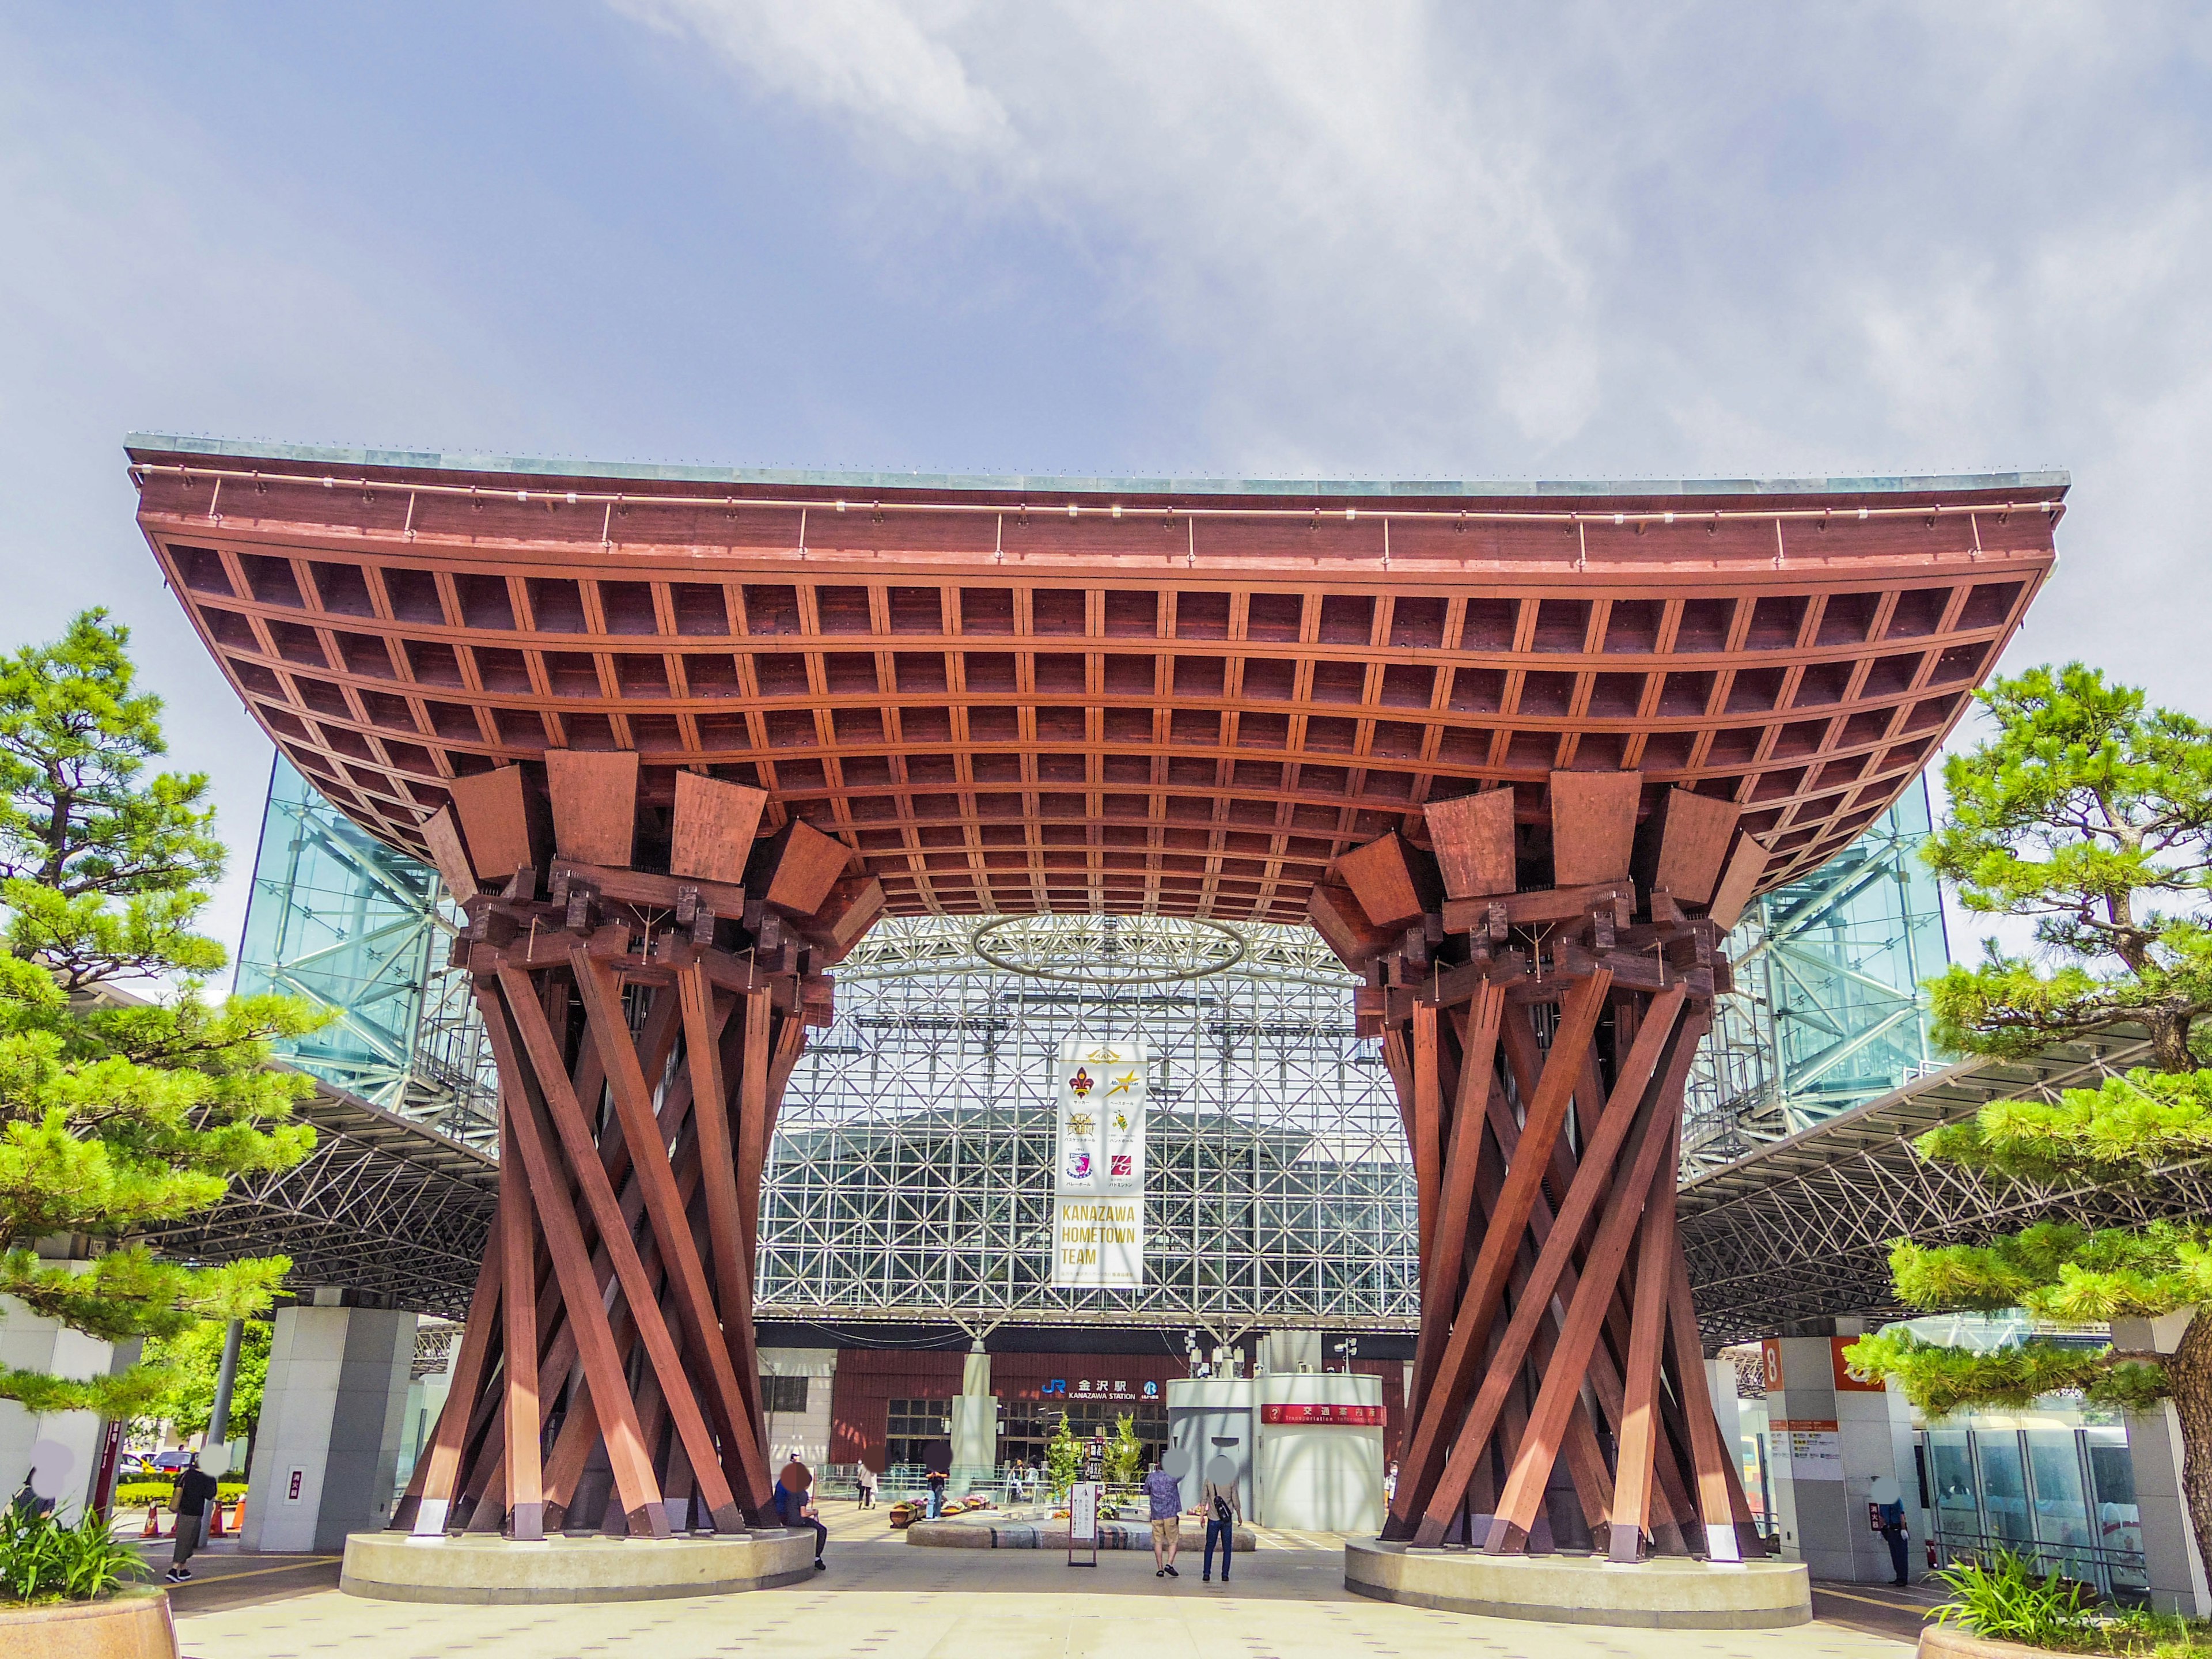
[1889, 1519]
[793, 1508]
[1165, 1491]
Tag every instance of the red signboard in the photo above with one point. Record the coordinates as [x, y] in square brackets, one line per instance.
[1358, 1417]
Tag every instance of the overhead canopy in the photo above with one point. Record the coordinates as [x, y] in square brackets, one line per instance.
[1027, 695]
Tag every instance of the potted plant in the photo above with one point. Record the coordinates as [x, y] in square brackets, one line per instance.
[68, 1588]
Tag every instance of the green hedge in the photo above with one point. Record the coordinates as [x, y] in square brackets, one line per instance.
[136, 1494]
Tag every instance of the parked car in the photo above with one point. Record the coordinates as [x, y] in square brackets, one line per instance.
[170, 1462]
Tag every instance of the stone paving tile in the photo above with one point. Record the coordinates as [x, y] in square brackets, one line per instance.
[881, 1598]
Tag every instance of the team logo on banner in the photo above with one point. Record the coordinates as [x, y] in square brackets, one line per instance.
[1098, 1201]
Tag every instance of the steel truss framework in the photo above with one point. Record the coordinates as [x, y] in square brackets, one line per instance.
[384, 1206]
[1801, 1230]
[911, 1174]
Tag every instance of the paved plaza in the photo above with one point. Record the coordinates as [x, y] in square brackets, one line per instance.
[882, 1598]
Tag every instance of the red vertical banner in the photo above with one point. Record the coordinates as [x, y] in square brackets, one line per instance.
[103, 1478]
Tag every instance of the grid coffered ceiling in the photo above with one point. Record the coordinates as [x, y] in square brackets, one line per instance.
[1021, 696]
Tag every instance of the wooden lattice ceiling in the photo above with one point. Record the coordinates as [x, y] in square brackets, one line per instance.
[1009, 696]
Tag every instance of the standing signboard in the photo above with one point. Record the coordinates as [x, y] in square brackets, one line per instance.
[1083, 1521]
[1099, 1094]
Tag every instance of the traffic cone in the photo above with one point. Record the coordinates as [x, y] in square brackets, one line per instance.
[153, 1523]
[215, 1520]
[237, 1517]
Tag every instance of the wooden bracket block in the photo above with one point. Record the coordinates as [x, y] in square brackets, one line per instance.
[1593, 825]
[715, 826]
[850, 910]
[795, 869]
[1341, 923]
[1745, 866]
[1473, 842]
[1693, 838]
[443, 836]
[503, 820]
[1393, 882]
[594, 803]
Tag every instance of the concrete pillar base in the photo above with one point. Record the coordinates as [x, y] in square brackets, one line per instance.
[475, 1569]
[1669, 1592]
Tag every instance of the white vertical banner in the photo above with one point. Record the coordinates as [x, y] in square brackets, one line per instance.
[1099, 1095]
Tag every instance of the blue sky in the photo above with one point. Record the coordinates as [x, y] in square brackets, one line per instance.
[1467, 241]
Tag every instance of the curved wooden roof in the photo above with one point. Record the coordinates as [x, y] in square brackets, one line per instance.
[1017, 695]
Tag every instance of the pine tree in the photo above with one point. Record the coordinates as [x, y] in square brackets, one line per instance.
[2091, 815]
[118, 1112]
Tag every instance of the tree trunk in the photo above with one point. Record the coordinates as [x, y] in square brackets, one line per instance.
[2169, 1041]
[2189, 1374]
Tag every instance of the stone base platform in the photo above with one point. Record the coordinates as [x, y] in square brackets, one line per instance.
[394, 1566]
[966, 1533]
[1668, 1593]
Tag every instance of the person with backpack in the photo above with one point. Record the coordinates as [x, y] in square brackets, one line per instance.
[196, 1490]
[1223, 1512]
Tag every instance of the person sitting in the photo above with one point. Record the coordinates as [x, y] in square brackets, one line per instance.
[795, 1508]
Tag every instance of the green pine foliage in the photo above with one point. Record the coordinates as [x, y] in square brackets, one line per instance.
[2089, 813]
[118, 1111]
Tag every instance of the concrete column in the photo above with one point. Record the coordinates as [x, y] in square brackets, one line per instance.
[2176, 1570]
[1830, 1438]
[975, 1425]
[327, 1454]
[29, 1342]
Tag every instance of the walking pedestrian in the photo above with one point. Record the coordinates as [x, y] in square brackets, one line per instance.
[936, 1479]
[864, 1479]
[196, 1490]
[794, 1507]
[1163, 1487]
[1224, 1510]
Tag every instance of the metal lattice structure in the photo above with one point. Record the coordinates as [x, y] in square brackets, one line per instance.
[910, 1178]
[337, 917]
[1828, 1011]
[385, 1207]
[1802, 1228]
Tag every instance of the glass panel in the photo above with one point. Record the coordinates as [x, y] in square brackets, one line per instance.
[340, 919]
[1827, 1009]
[2062, 1510]
[1958, 1511]
[2004, 1487]
[2119, 1521]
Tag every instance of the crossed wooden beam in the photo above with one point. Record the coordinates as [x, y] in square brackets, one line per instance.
[1540, 971]
[1541, 965]
[647, 967]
